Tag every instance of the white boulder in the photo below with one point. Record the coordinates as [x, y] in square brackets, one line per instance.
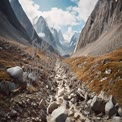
[120, 112]
[16, 72]
[56, 113]
[109, 105]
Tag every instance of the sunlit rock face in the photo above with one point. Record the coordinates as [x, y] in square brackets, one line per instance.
[103, 30]
[43, 30]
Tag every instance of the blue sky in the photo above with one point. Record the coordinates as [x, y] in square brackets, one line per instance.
[69, 16]
[46, 5]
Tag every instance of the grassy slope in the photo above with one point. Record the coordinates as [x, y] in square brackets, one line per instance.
[91, 71]
[14, 54]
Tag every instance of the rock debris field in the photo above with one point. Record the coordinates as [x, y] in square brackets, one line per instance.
[57, 97]
[62, 98]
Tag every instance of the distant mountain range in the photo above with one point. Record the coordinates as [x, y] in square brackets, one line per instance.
[55, 38]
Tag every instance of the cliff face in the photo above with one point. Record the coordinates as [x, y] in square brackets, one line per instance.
[10, 27]
[103, 29]
[23, 19]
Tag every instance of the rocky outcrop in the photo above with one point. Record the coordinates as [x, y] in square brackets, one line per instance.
[103, 30]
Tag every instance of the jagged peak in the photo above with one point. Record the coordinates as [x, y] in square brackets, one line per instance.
[41, 20]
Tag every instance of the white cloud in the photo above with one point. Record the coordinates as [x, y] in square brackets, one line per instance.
[30, 8]
[83, 8]
[68, 35]
[57, 17]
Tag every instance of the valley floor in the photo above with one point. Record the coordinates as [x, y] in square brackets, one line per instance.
[58, 96]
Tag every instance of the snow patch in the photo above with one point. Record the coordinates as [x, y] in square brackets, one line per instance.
[41, 35]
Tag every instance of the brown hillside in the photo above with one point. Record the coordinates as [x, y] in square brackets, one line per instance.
[100, 73]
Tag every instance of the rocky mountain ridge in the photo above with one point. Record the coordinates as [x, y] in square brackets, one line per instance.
[103, 30]
[23, 19]
[9, 24]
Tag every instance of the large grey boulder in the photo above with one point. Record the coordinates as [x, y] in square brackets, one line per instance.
[6, 87]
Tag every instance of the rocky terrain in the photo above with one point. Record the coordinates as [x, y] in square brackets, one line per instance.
[103, 30]
[37, 85]
[101, 73]
[55, 96]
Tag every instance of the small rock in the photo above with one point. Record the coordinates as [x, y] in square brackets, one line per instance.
[109, 105]
[120, 111]
[76, 116]
[89, 101]
[98, 105]
[61, 91]
[52, 107]
[71, 113]
[13, 114]
[61, 118]
[68, 119]
[116, 119]
[108, 71]
[25, 114]
[32, 76]
[86, 113]
[79, 97]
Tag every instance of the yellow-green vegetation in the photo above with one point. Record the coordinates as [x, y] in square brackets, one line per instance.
[100, 73]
